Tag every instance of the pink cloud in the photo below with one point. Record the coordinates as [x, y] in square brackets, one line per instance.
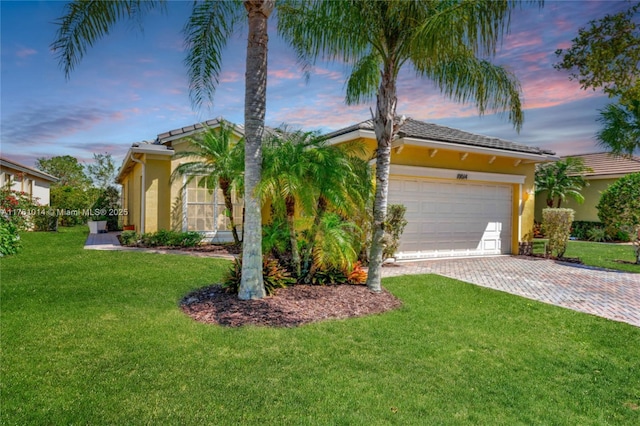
[284, 74]
[25, 52]
[230, 77]
[524, 39]
[331, 75]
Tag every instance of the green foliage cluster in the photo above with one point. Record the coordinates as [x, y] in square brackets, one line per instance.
[107, 206]
[557, 227]
[9, 237]
[394, 227]
[606, 55]
[15, 216]
[162, 238]
[580, 228]
[620, 132]
[597, 231]
[561, 179]
[73, 193]
[317, 192]
[274, 276]
[619, 208]
[17, 205]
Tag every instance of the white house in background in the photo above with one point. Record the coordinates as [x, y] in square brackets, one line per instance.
[25, 179]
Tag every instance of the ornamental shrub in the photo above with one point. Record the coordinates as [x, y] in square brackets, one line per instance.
[167, 238]
[619, 208]
[274, 276]
[129, 238]
[394, 227]
[557, 227]
[19, 208]
[9, 238]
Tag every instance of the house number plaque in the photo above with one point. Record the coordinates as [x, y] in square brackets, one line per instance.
[462, 176]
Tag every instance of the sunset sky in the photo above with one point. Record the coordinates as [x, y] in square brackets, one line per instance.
[132, 85]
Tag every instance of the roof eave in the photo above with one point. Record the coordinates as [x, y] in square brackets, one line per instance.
[139, 150]
[25, 169]
[430, 143]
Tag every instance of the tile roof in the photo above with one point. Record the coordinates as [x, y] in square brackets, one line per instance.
[187, 130]
[434, 132]
[603, 163]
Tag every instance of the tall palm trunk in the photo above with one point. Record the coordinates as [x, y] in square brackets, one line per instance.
[258, 11]
[290, 205]
[383, 125]
[225, 186]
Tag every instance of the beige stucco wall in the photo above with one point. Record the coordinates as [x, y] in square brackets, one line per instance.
[35, 187]
[158, 193]
[586, 211]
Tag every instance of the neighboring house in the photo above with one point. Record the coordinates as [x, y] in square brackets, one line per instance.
[466, 194]
[605, 170]
[25, 179]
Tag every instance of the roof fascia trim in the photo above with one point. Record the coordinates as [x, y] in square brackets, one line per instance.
[432, 172]
[29, 170]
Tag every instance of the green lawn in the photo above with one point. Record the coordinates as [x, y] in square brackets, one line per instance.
[94, 337]
[602, 255]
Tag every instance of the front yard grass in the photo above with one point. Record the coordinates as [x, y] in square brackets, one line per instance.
[601, 255]
[604, 255]
[93, 337]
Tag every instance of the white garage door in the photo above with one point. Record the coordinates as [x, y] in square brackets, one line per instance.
[450, 218]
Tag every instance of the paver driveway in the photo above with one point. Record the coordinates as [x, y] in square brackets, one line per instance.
[613, 295]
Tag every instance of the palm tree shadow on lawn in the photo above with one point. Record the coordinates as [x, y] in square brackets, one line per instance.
[289, 307]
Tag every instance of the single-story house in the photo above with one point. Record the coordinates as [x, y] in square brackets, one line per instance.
[605, 170]
[20, 178]
[465, 194]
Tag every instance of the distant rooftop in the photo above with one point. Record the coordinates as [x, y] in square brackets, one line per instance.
[434, 132]
[603, 163]
[25, 169]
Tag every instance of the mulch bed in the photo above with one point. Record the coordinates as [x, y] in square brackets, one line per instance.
[289, 307]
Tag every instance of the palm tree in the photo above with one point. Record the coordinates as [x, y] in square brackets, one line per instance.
[209, 26]
[342, 185]
[300, 169]
[562, 179]
[621, 128]
[220, 161]
[286, 179]
[440, 40]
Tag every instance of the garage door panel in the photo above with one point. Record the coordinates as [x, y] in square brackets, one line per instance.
[450, 218]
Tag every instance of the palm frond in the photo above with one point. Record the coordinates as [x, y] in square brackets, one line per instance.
[85, 22]
[620, 132]
[206, 33]
[364, 80]
[465, 78]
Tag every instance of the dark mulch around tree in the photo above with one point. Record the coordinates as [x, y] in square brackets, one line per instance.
[289, 307]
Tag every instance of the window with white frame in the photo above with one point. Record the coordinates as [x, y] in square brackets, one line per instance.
[205, 208]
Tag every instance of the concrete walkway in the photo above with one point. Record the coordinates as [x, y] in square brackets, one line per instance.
[609, 294]
[109, 241]
[612, 295]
